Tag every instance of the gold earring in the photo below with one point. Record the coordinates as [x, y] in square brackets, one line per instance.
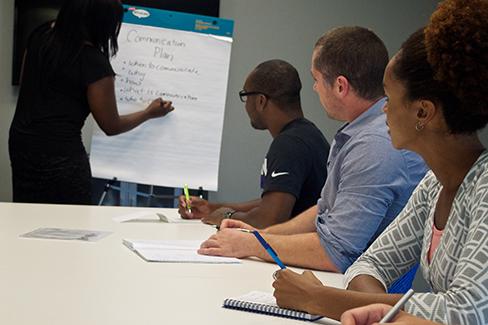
[419, 126]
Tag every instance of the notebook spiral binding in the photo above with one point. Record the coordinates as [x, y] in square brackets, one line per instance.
[266, 309]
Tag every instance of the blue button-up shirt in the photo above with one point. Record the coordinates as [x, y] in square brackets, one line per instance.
[368, 184]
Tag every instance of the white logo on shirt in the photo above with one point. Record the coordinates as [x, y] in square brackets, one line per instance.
[275, 174]
[264, 168]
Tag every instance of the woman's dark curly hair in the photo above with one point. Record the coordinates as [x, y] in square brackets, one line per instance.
[446, 62]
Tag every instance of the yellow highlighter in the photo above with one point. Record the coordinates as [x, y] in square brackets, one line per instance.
[187, 198]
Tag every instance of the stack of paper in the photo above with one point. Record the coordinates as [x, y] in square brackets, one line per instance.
[174, 251]
[66, 234]
[155, 215]
[172, 216]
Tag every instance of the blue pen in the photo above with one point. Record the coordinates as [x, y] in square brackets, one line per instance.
[267, 247]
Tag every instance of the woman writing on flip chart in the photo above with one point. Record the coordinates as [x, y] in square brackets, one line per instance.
[67, 75]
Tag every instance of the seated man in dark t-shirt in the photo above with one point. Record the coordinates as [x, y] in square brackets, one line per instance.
[294, 169]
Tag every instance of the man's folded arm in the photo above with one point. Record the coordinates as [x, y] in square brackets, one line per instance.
[273, 208]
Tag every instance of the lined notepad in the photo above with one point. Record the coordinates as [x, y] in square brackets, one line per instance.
[174, 251]
[265, 303]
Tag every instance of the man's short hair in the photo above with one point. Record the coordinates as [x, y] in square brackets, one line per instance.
[355, 53]
[279, 80]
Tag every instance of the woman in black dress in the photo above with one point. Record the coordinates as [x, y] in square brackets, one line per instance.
[67, 75]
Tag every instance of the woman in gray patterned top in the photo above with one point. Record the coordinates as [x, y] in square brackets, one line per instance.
[437, 89]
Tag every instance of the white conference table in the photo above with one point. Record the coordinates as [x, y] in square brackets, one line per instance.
[73, 282]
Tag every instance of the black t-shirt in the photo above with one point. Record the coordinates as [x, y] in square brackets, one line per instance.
[53, 105]
[296, 163]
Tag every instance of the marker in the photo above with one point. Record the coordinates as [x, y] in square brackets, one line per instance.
[266, 246]
[187, 198]
[399, 305]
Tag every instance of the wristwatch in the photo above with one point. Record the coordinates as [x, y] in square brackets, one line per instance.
[228, 214]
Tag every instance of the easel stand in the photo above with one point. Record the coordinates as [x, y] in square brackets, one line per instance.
[107, 187]
[129, 194]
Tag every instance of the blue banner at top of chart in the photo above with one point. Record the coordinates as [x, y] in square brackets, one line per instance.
[178, 20]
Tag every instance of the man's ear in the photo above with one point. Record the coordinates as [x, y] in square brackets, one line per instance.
[261, 102]
[341, 86]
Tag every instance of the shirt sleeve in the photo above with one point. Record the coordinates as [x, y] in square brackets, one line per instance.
[398, 248]
[466, 299]
[288, 163]
[372, 177]
[95, 66]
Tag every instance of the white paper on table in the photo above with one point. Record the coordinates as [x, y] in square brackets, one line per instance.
[66, 234]
[258, 297]
[174, 251]
[168, 215]
[172, 216]
[145, 215]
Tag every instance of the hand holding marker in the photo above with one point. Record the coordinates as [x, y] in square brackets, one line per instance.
[187, 198]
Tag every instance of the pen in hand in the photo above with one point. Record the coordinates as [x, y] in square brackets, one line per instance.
[187, 198]
[266, 246]
[399, 305]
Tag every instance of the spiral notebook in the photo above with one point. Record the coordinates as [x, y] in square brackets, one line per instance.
[265, 303]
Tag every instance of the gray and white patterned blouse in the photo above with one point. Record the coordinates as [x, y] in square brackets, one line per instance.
[458, 273]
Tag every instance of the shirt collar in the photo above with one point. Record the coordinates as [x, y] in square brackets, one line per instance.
[350, 129]
[289, 124]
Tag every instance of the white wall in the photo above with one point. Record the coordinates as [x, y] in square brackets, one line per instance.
[8, 95]
[264, 29]
[288, 29]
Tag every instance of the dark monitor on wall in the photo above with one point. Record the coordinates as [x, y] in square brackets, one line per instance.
[199, 7]
[30, 14]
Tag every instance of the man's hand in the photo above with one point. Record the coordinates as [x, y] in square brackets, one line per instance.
[216, 217]
[232, 223]
[200, 208]
[230, 242]
[295, 291]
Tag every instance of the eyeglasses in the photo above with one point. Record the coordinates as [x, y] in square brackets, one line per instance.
[243, 94]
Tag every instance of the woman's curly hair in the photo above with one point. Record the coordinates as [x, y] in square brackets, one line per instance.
[446, 62]
[456, 41]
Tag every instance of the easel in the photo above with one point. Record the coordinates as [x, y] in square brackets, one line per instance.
[106, 188]
[129, 193]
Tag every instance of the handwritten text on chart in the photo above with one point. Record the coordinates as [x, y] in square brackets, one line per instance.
[162, 46]
[160, 67]
[134, 95]
[131, 87]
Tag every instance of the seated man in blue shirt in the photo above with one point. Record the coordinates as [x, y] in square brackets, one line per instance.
[368, 181]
